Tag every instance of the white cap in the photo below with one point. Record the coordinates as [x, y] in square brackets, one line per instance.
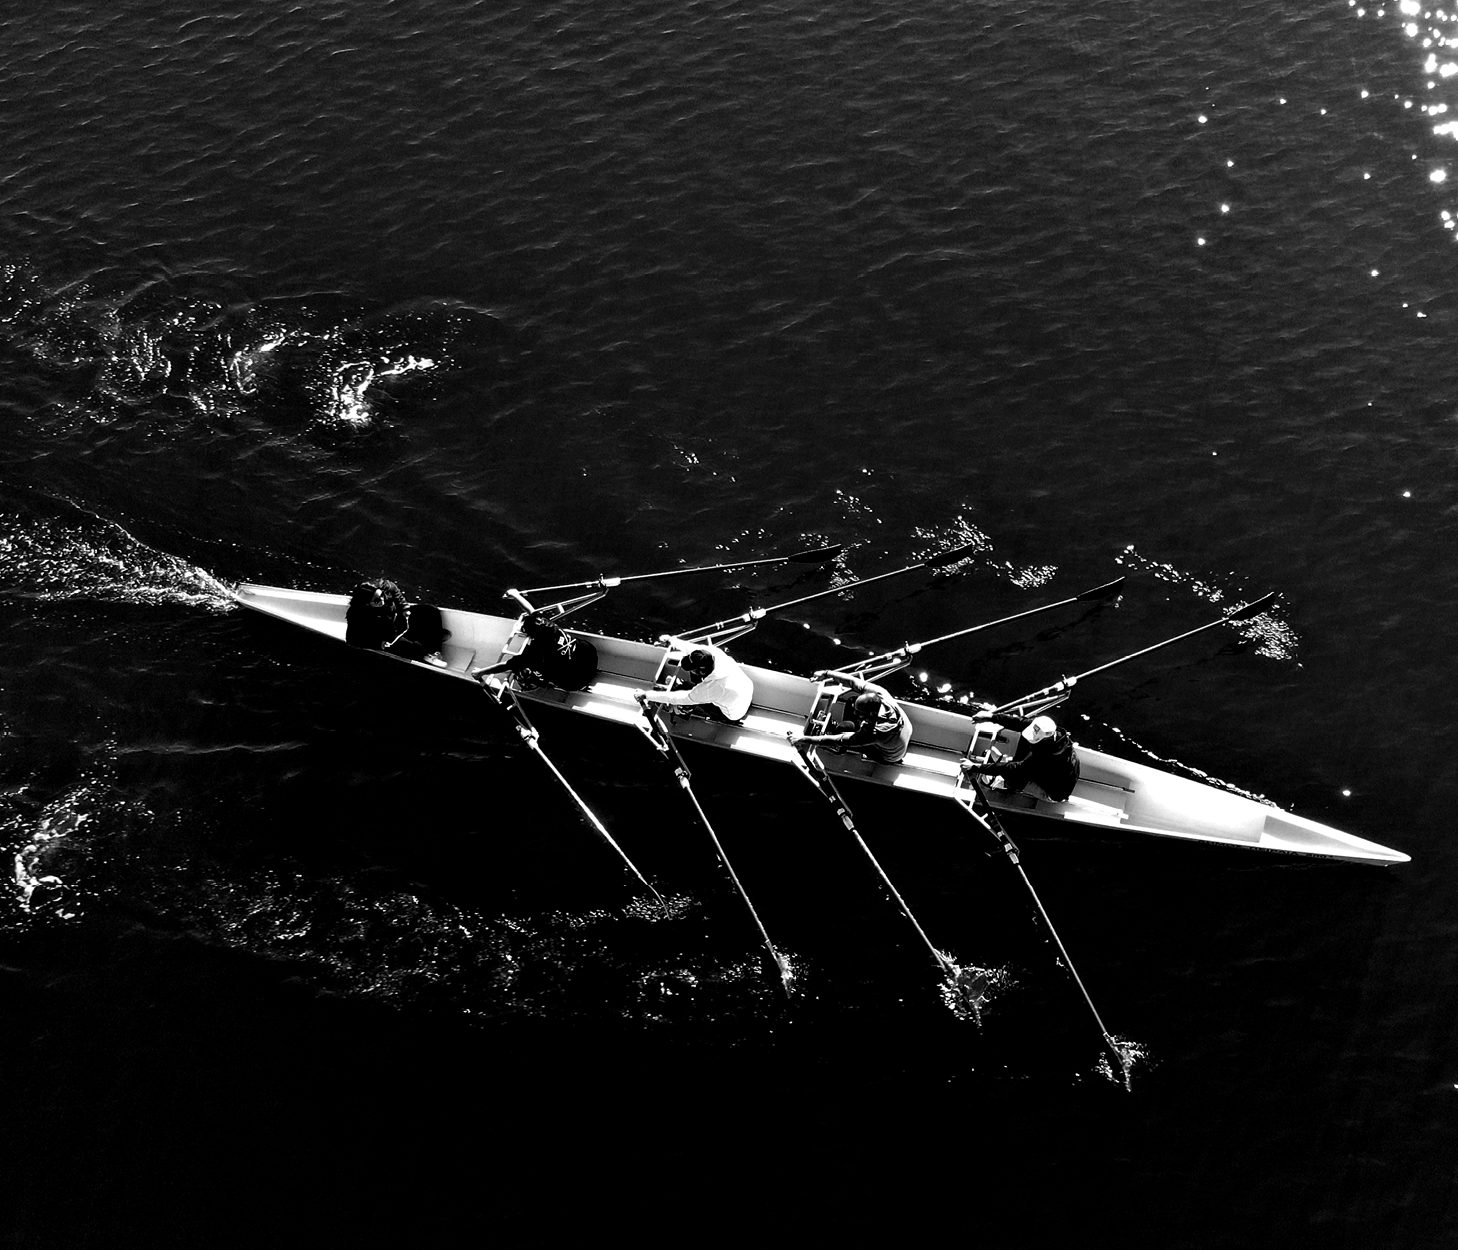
[1040, 727]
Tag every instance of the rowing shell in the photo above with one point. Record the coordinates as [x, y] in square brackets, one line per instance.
[1111, 794]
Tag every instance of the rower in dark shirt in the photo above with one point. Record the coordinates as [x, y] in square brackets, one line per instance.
[376, 615]
[551, 657]
[1045, 762]
[378, 619]
[881, 730]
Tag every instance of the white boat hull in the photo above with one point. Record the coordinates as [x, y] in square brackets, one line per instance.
[1112, 793]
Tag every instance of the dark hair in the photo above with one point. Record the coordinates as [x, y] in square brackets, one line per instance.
[363, 594]
[698, 661]
[536, 625]
[867, 704]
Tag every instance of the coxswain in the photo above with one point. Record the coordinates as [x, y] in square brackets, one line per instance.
[880, 730]
[1045, 763]
[711, 680]
[551, 657]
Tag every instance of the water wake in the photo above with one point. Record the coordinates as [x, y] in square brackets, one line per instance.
[51, 560]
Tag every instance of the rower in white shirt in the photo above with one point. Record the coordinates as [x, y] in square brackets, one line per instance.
[716, 683]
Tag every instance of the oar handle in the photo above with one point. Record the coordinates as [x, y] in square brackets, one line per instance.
[1038, 696]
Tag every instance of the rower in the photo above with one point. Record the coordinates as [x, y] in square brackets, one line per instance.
[711, 681]
[1044, 764]
[549, 656]
[378, 619]
[880, 730]
[376, 615]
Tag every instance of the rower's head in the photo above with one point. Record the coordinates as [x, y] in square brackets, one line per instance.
[538, 625]
[698, 663]
[1038, 728]
[866, 706]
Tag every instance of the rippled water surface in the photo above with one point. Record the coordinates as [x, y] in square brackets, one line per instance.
[482, 295]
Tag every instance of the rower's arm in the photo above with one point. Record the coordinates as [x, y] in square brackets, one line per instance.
[697, 694]
[841, 737]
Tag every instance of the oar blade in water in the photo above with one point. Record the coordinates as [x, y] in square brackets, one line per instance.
[1251, 609]
[820, 555]
[952, 556]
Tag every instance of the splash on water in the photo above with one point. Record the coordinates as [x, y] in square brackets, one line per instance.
[50, 560]
[1032, 577]
[1188, 770]
[959, 532]
[968, 990]
[841, 573]
[54, 865]
[1271, 637]
[36, 889]
[160, 350]
[855, 509]
[1165, 572]
[665, 907]
[394, 946]
[1130, 1056]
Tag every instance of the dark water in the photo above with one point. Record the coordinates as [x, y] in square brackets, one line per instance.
[490, 295]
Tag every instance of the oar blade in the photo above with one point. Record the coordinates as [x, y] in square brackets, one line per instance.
[820, 555]
[1251, 609]
[952, 556]
[1107, 591]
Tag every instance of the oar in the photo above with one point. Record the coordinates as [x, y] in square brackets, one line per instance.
[1240, 614]
[990, 822]
[814, 772]
[817, 555]
[1106, 591]
[529, 735]
[653, 729]
[757, 614]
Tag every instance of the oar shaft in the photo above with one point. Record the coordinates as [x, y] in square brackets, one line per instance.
[831, 792]
[817, 556]
[661, 739]
[1158, 646]
[589, 814]
[528, 734]
[1067, 962]
[993, 825]
[1098, 592]
[755, 614]
[1230, 618]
